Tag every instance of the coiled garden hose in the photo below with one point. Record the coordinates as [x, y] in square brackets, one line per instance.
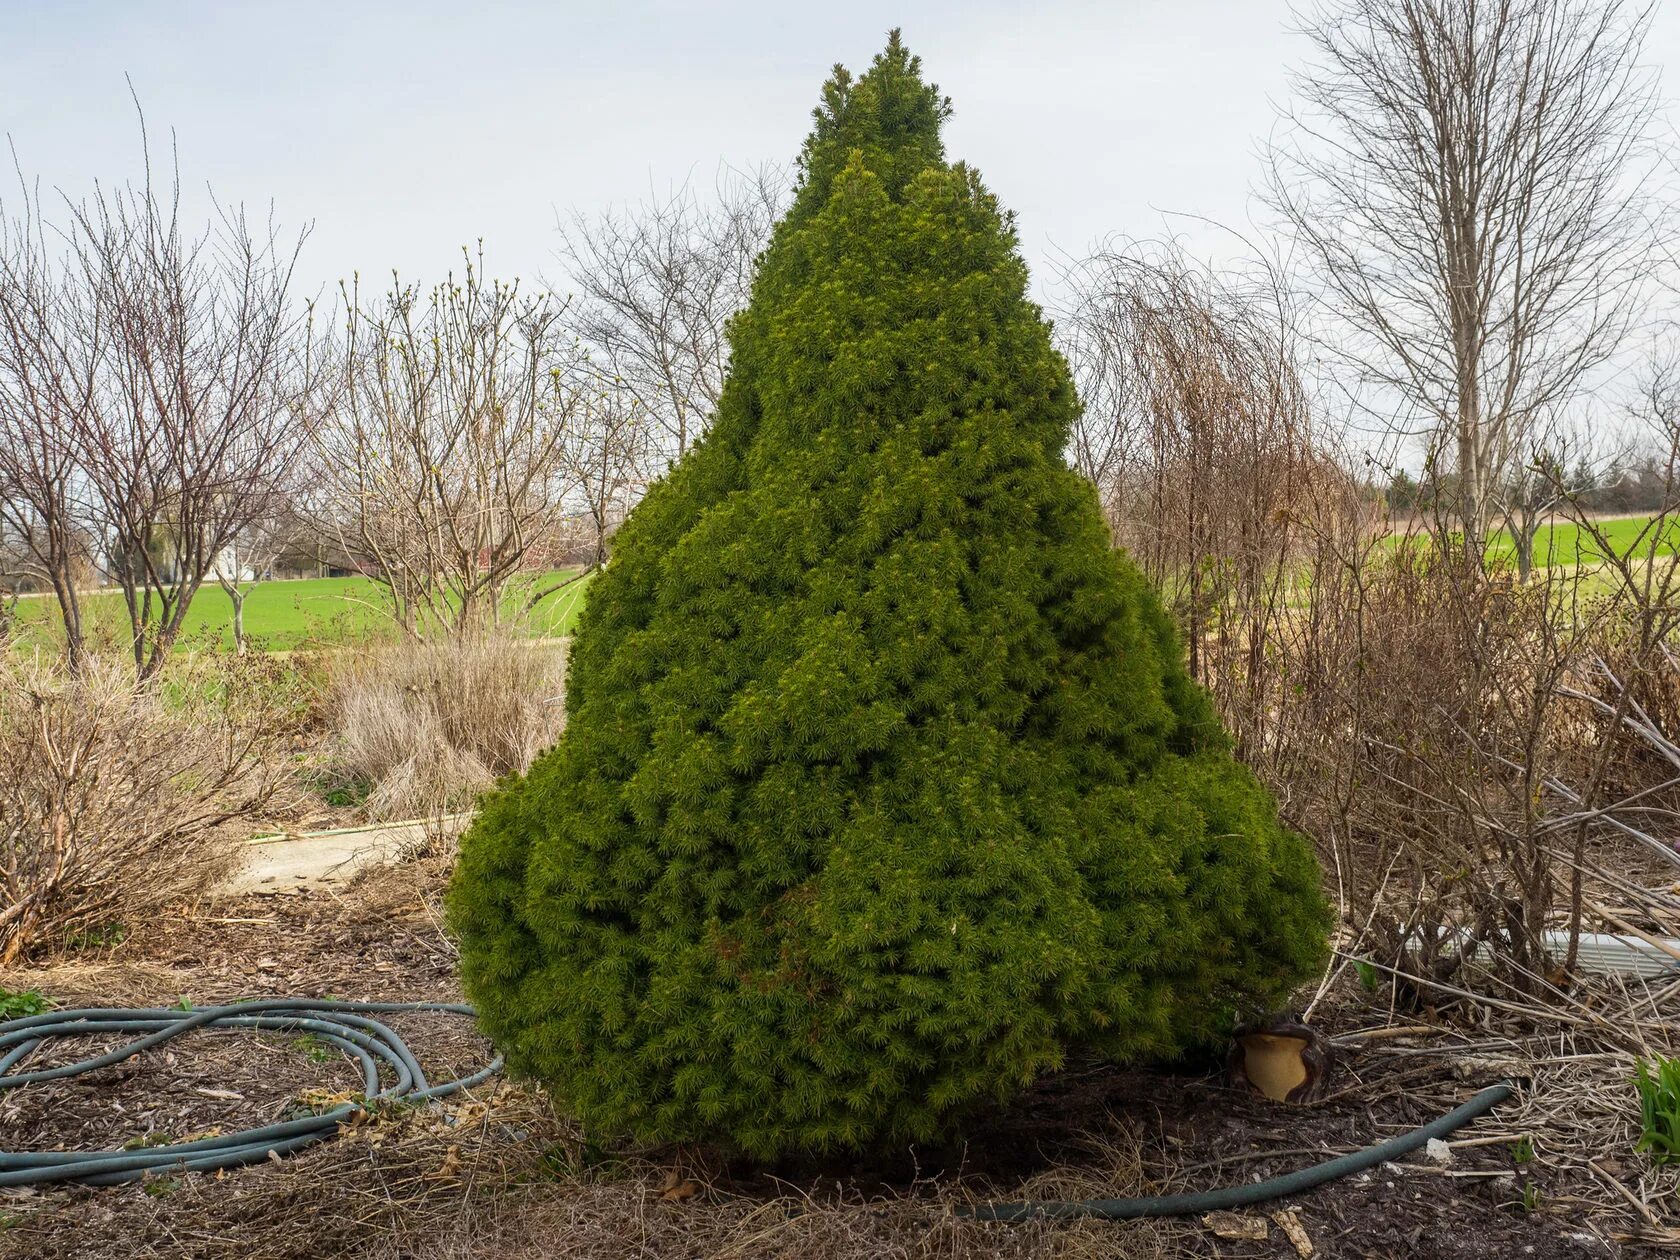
[374, 1045]
[1257, 1192]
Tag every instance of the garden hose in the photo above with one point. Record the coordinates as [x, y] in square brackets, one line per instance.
[1243, 1195]
[374, 1045]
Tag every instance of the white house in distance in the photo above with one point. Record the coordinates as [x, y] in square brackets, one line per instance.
[226, 567]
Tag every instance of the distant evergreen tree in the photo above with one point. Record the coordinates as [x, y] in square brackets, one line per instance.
[1402, 491]
[883, 785]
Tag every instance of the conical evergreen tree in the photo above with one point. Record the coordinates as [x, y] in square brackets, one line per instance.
[883, 785]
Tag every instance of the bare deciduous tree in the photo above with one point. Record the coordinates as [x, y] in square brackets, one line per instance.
[197, 411]
[657, 285]
[442, 452]
[608, 456]
[150, 381]
[1467, 180]
[51, 341]
[250, 555]
[1547, 476]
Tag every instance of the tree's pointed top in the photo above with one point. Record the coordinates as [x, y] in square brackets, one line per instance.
[889, 114]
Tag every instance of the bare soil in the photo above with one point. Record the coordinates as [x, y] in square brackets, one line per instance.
[499, 1174]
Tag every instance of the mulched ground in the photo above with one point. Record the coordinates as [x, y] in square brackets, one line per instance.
[498, 1174]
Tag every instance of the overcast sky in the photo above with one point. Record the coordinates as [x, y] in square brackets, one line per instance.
[403, 131]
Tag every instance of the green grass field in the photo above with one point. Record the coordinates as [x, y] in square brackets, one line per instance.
[292, 615]
[333, 612]
[1566, 545]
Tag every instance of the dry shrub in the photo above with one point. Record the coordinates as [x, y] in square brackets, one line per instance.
[427, 725]
[1475, 754]
[1489, 764]
[114, 802]
[1461, 743]
[1652, 686]
[1431, 703]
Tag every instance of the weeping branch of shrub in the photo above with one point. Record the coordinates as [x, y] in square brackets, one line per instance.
[1198, 430]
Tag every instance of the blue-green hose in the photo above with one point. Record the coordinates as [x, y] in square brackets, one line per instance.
[380, 1052]
[1230, 1197]
[375, 1047]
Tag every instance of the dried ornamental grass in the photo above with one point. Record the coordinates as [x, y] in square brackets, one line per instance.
[428, 725]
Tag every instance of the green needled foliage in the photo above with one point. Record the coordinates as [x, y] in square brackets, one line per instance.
[883, 787]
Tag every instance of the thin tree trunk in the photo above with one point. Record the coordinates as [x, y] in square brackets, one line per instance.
[1523, 538]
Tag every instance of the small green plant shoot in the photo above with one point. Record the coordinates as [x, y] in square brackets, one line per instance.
[1659, 1109]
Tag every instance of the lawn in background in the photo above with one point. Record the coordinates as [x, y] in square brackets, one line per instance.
[294, 614]
[1565, 545]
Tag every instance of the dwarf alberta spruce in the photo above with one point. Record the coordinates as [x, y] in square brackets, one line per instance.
[883, 786]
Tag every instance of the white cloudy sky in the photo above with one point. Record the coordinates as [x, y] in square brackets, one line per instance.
[405, 130]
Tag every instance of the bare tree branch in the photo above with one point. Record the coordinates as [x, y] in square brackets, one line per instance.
[443, 456]
[657, 285]
[1469, 182]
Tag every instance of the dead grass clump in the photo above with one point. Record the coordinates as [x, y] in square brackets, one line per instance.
[499, 1174]
[427, 725]
[113, 802]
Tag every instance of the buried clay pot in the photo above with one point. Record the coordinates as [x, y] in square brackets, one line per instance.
[1281, 1057]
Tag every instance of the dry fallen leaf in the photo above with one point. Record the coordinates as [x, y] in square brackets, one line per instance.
[1235, 1225]
[449, 1169]
[1290, 1223]
[680, 1191]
